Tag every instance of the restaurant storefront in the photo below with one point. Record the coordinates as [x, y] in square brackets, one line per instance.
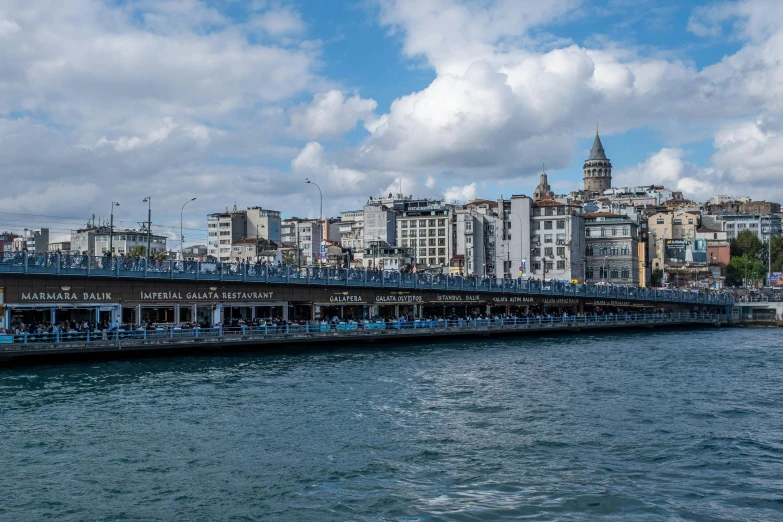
[135, 302]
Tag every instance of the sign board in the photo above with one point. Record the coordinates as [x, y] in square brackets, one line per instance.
[690, 252]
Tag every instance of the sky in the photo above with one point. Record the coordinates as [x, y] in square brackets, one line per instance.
[237, 102]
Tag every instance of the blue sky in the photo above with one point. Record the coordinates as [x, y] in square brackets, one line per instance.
[236, 102]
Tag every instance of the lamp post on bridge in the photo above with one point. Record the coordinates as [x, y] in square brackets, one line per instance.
[181, 234]
[111, 229]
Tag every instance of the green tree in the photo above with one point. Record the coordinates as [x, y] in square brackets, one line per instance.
[747, 243]
[136, 251]
[745, 268]
[655, 278]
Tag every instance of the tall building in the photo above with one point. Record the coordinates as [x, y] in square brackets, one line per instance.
[225, 228]
[305, 236]
[597, 169]
[426, 226]
[611, 249]
[514, 250]
[557, 250]
[543, 190]
[263, 224]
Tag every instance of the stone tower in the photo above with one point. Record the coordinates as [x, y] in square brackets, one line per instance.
[598, 169]
[543, 191]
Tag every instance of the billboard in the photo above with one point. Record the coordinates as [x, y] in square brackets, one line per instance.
[686, 252]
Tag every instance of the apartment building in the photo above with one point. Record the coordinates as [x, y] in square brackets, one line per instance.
[514, 249]
[124, 241]
[225, 228]
[352, 231]
[305, 236]
[425, 226]
[611, 249]
[557, 241]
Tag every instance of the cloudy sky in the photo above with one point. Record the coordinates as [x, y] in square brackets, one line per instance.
[238, 101]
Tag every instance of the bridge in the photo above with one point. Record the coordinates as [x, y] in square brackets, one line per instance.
[54, 287]
[42, 347]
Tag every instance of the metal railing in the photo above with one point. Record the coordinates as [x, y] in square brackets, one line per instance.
[314, 329]
[121, 267]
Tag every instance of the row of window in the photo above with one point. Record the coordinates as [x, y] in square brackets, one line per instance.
[607, 272]
[422, 223]
[548, 238]
[548, 225]
[611, 250]
[548, 252]
[549, 265]
[423, 233]
[614, 230]
[424, 242]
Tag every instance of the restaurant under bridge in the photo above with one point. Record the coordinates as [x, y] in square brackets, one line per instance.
[51, 288]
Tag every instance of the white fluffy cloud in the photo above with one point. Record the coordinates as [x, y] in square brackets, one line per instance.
[502, 109]
[667, 167]
[460, 194]
[329, 115]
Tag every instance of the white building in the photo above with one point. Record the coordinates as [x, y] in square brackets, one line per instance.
[352, 231]
[305, 236]
[514, 248]
[225, 228]
[425, 226]
[126, 240]
[557, 241]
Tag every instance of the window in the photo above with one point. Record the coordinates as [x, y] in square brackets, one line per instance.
[441, 242]
[614, 250]
[225, 232]
[547, 225]
[561, 265]
[536, 265]
[587, 232]
[547, 238]
[441, 232]
[422, 223]
[432, 241]
[614, 273]
[248, 249]
[536, 225]
[468, 240]
[690, 221]
[603, 231]
[432, 232]
[659, 221]
[602, 251]
[589, 272]
[441, 251]
[404, 243]
[441, 222]
[549, 211]
[432, 251]
[614, 231]
[403, 224]
[626, 273]
[404, 233]
[561, 251]
[548, 265]
[413, 233]
[548, 251]
[626, 231]
[535, 252]
[225, 242]
[561, 224]
[413, 224]
[589, 250]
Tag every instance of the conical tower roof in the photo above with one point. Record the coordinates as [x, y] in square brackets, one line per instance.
[597, 152]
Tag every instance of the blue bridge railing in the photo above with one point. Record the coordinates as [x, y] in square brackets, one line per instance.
[139, 268]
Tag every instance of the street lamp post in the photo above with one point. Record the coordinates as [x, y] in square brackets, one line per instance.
[148, 201]
[111, 228]
[320, 214]
[181, 234]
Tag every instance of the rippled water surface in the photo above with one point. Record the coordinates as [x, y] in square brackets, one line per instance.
[654, 426]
